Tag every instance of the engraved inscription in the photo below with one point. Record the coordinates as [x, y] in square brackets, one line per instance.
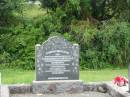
[57, 63]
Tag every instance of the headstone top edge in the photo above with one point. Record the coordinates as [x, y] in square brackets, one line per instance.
[50, 38]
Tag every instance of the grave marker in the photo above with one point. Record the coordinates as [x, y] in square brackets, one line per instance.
[57, 59]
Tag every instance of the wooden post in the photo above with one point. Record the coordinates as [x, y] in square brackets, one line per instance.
[129, 76]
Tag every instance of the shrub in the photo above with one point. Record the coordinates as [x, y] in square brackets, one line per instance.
[104, 47]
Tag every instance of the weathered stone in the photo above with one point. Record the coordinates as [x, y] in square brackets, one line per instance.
[89, 87]
[95, 87]
[52, 88]
[60, 88]
[102, 89]
[22, 88]
[4, 91]
[116, 91]
[84, 94]
[57, 59]
[64, 86]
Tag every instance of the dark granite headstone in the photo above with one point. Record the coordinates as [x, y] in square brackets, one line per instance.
[57, 59]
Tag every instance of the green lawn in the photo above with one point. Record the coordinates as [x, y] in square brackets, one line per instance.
[25, 76]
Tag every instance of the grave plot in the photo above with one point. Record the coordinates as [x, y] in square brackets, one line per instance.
[57, 74]
[89, 90]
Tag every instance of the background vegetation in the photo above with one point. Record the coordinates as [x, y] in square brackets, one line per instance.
[100, 27]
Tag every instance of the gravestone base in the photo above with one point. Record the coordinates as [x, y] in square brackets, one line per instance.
[58, 86]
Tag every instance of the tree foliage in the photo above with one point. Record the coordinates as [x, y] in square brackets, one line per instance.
[7, 7]
[104, 43]
[104, 46]
[100, 27]
[98, 9]
[106, 9]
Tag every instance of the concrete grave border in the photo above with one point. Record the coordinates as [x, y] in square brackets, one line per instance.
[6, 90]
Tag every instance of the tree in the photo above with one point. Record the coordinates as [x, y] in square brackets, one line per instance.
[7, 7]
[63, 11]
[106, 9]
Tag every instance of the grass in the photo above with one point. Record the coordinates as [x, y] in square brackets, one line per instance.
[30, 12]
[10, 76]
[102, 75]
[33, 11]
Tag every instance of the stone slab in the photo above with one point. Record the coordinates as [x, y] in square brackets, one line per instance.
[4, 91]
[119, 91]
[24, 90]
[61, 86]
[107, 87]
[20, 88]
[99, 87]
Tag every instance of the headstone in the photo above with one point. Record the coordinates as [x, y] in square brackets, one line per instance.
[57, 59]
[57, 67]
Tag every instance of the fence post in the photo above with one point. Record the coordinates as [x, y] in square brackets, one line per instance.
[129, 76]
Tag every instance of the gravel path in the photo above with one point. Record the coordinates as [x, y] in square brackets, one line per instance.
[85, 94]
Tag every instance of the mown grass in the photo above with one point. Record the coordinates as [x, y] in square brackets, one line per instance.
[10, 76]
[102, 75]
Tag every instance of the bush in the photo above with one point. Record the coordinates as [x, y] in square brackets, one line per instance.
[103, 44]
[104, 47]
[18, 47]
